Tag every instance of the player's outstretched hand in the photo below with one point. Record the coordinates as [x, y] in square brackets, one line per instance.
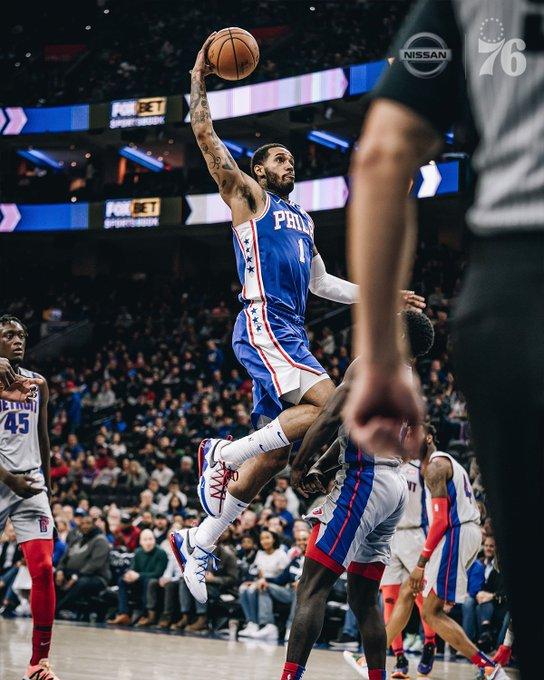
[312, 482]
[7, 373]
[201, 63]
[296, 478]
[382, 399]
[22, 485]
[411, 301]
[21, 389]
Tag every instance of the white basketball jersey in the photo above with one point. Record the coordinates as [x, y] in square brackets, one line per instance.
[19, 445]
[415, 512]
[462, 506]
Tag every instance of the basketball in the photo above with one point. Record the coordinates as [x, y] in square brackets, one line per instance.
[233, 54]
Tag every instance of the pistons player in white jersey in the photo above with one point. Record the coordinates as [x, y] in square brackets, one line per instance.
[277, 264]
[25, 484]
[451, 546]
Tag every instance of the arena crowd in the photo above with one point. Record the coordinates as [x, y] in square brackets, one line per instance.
[126, 421]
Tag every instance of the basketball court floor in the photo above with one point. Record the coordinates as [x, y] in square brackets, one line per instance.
[85, 652]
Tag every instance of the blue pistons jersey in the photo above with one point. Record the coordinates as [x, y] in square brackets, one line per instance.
[273, 258]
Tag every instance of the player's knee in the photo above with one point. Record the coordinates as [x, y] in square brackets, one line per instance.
[428, 611]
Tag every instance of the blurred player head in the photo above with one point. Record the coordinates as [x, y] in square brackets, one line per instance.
[273, 166]
[419, 332]
[426, 434]
[13, 335]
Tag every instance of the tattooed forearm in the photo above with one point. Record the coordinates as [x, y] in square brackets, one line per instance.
[199, 108]
[221, 165]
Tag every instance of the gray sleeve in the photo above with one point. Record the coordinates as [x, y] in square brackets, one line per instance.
[98, 558]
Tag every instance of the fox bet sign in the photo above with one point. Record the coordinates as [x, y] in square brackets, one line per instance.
[138, 112]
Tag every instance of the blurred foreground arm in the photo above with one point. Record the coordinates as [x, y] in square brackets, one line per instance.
[381, 236]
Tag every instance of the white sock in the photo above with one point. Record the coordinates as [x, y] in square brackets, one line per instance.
[211, 528]
[508, 638]
[269, 437]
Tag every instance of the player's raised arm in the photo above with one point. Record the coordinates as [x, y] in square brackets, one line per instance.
[239, 191]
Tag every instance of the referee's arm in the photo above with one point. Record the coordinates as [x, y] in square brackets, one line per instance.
[402, 132]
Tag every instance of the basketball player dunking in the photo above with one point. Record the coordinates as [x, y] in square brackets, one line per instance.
[277, 264]
[25, 456]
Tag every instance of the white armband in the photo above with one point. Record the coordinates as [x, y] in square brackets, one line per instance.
[330, 287]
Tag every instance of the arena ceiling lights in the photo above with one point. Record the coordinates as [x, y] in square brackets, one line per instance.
[39, 158]
[145, 159]
[329, 140]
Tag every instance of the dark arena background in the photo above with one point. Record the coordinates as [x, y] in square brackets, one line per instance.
[116, 254]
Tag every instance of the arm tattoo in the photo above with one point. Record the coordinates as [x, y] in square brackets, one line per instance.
[436, 477]
[219, 160]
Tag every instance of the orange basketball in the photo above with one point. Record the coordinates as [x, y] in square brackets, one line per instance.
[233, 53]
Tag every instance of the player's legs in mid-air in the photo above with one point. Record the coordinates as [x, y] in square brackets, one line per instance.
[193, 547]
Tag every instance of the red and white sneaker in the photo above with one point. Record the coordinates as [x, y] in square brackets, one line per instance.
[40, 671]
[215, 476]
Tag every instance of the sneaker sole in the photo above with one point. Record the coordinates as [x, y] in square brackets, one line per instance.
[175, 551]
[199, 490]
[200, 456]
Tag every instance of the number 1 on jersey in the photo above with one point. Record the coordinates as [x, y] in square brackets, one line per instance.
[301, 253]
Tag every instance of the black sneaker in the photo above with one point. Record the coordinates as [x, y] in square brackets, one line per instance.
[425, 665]
[345, 642]
[401, 667]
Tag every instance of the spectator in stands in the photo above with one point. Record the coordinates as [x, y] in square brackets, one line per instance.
[74, 534]
[126, 536]
[279, 507]
[246, 554]
[161, 473]
[491, 608]
[293, 502]
[283, 588]
[83, 570]
[169, 583]
[107, 477]
[105, 399]
[187, 476]
[160, 527]
[269, 563]
[173, 490]
[149, 562]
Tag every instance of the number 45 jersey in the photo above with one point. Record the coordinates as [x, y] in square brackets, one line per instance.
[19, 446]
[273, 258]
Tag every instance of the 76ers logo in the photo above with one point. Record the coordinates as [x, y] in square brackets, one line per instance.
[44, 524]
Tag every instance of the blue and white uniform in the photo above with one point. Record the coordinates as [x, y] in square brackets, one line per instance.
[446, 572]
[273, 257]
[411, 532]
[20, 453]
[359, 516]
